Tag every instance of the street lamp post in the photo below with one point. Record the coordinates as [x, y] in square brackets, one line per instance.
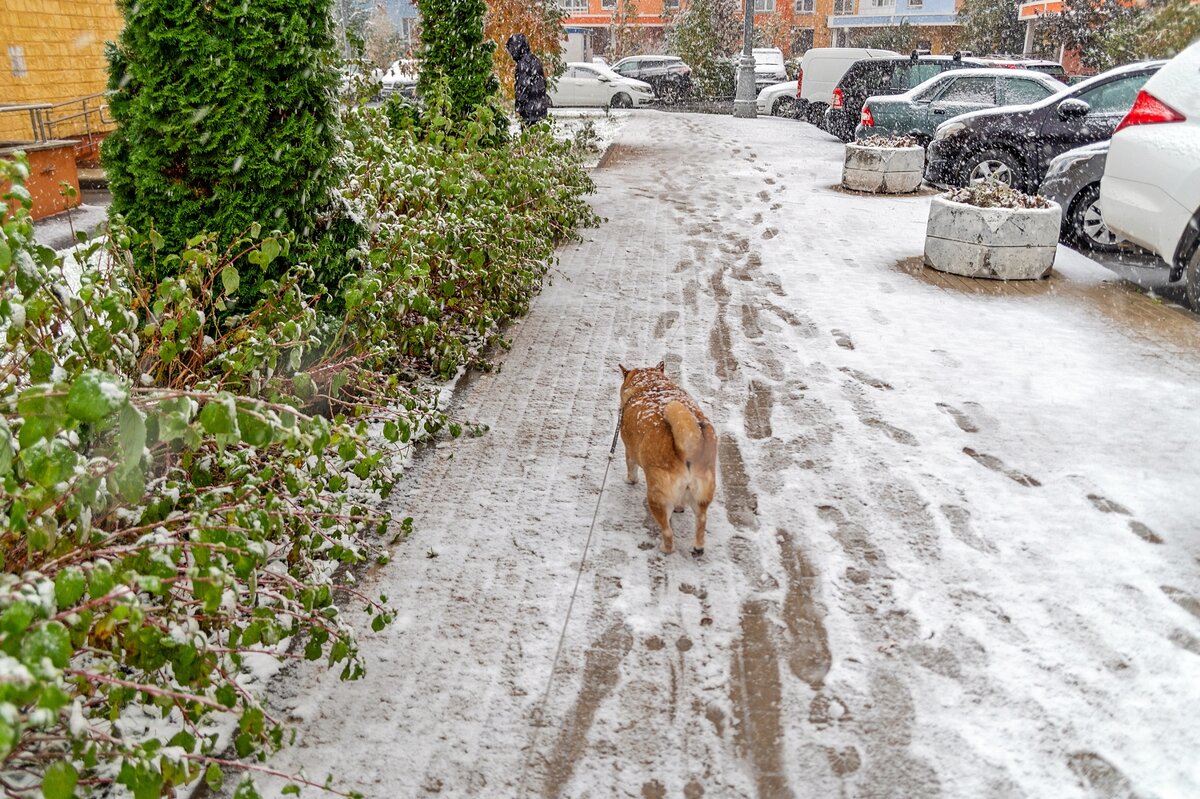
[744, 105]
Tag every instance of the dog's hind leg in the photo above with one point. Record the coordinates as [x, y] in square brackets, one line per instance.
[631, 467]
[661, 515]
[701, 511]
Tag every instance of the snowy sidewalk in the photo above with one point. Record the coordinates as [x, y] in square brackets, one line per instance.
[954, 553]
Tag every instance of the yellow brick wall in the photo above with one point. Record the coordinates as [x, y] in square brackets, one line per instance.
[63, 42]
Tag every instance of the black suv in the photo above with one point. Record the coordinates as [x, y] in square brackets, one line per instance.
[872, 77]
[1015, 145]
[670, 77]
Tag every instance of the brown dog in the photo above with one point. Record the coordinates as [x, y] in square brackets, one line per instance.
[666, 433]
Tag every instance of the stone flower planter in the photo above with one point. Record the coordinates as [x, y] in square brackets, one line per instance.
[997, 243]
[883, 170]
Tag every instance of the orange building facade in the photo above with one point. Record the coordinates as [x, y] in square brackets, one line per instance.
[793, 26]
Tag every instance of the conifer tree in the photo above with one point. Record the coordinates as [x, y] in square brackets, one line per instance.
[453, 49]
[226, 113]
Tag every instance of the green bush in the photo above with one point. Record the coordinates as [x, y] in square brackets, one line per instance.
[227, 114]
[159, 523]
[463, 230]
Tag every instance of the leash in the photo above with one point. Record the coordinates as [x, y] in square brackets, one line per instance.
[541, 711]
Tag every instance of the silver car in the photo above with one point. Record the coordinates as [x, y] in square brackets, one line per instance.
[1073, 181]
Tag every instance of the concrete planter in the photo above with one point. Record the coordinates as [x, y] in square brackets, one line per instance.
[883, 170]
[997, 243]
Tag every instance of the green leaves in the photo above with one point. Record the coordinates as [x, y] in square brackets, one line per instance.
[69, 585]
[60, 780]
[230, 279]
[94, 395]
[49, 641]
[218, 417]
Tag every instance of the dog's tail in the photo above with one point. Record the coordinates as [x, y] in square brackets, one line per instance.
[685, 429]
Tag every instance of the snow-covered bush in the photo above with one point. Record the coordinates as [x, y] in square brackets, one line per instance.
[460, 231]
[168, 512]
[186, 476]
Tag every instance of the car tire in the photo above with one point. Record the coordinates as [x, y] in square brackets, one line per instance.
[621, 100]
[1085, 223]
[783, 107]
[998, 164]
[668, 92]
[1192, 280]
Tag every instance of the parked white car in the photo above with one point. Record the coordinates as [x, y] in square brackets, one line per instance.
[778, 100]
[768, 66]
[1151, 185]
[820, 70]
[399, 78]
[597, 85]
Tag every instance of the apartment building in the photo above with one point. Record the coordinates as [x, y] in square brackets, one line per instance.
[791, 25]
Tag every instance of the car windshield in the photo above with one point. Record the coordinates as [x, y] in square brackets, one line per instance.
[601, 69]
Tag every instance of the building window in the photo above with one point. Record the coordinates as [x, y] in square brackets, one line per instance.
[16, 54]
[764, 6]
[916, 3]
[608, 4]
[670, 5]
[802, 40]
[843, 7]
[881, 3]
[573, 6]
[805, 6]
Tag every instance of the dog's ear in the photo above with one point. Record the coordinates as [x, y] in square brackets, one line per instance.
[662, 367]
[624, 371]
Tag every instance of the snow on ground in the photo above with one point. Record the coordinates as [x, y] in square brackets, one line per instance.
[595, 128]
[953, 554]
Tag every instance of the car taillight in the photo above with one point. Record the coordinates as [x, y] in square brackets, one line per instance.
[799, 81]
[1149, 110]
[865, 117]
[837, 98]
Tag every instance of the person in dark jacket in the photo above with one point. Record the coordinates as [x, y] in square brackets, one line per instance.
[531, 80]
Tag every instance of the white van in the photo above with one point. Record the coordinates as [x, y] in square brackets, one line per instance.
[820, 70]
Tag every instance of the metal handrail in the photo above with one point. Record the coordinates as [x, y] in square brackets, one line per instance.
[86, 113]
[37, 117]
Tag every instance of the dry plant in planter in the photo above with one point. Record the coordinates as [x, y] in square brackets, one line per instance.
[884, 165]
[989, 230]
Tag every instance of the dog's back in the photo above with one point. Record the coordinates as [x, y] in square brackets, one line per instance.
[670, 438]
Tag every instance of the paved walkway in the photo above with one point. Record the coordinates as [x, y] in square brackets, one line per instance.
[954, 551]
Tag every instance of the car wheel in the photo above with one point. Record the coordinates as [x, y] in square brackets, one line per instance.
[622, 100]
[669, 93]
[1193, 280]
[995, 165]
[815, 113]
[1086, 223]
[780, 108]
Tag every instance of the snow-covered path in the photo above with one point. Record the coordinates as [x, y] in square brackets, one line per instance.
[955, 550]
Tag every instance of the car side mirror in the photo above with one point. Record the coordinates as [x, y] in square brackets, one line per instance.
[1072, 108]
[604, 79]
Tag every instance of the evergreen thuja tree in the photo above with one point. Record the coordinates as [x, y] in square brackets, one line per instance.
[454, 50]
[226, 117]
